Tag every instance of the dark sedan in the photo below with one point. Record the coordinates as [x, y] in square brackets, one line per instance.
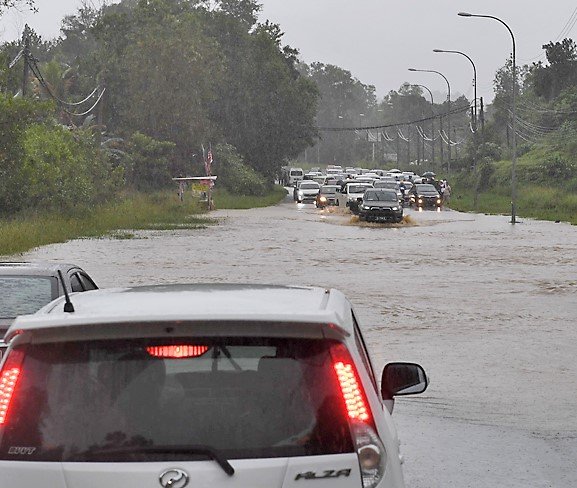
[27, 287]
[380, 205]
[327, 196]
[424, 196]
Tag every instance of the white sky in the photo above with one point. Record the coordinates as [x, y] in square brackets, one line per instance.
[377, 40]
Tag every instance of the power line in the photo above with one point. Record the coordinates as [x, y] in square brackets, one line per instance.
[567, 28]
[36, 70]
[395, 125]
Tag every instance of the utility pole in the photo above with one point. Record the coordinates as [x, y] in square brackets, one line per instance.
[423, 151]
[482, 116]
[441, 140]
[26, 56]
[408, 144]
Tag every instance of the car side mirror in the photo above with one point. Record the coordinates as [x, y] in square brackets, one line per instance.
[403, 379]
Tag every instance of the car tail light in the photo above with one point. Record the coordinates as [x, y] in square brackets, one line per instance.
[370, 449]
[352, 392]
[8, 381]
[177, 351]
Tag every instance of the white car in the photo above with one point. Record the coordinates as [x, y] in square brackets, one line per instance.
[216, 385]
[307, 191]
[354, 193]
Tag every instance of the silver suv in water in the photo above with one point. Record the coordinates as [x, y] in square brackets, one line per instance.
[223, 385]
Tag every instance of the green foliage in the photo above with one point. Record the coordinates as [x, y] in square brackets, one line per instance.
[533, 201]
[43, 165]
[62, 170]
[128, 212]
[549, 81]
[485, 171]
[16, 115]
[235, 176]
[264, 106]
[164, 95]
[224, 199]
[147, 166]
[556, 168]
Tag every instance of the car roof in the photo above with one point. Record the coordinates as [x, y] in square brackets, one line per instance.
[195, 302]
[39, 268]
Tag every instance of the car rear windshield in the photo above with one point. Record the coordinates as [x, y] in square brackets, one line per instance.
[24, 294]
[381, 196]
[312, 185]
[426, 188]
[135, 400]
[357, 189]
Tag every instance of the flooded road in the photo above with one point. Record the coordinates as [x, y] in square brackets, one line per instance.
[489, 309]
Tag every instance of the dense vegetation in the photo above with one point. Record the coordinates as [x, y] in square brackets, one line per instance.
[175, 79]
[135, 93]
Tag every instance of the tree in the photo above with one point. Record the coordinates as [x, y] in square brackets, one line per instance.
[244, 10]
[263, 106]
[6, 4]
[148, 166]
[502, 103]
[342, 99]
[561, 73]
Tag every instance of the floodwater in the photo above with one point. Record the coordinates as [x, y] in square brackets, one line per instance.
[488, 308]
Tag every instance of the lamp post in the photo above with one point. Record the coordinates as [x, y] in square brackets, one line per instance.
[448, 110]
[514, 123]
[474, 80]
[432, 124]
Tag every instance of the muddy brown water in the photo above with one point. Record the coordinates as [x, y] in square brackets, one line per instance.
[488, 308]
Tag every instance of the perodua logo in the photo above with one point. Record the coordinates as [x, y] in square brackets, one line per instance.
[174, 478]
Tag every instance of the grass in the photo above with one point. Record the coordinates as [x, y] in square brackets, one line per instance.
[119, 220]
[226, 200]
[159, 211]
[533, 201]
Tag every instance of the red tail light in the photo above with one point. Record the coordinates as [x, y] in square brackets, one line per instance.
[177, 351]
[352, 393]
[370, 450]
[8, 381]
[351, 387]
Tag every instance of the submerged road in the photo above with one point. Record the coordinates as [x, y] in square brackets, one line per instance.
[489, 309]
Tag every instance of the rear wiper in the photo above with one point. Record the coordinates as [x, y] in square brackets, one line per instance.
[202, 450]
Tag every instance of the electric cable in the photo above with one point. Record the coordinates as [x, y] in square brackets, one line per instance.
[394, 125]
[36, 71]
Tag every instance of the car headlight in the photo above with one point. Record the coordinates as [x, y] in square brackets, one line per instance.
[420, 200]
[301, 194]
[365, 207]
[438, 200]
[395, 208]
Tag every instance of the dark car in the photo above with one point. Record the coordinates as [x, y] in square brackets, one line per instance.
[327, 196]
[380, 205]
[424, 196]
[27, 287]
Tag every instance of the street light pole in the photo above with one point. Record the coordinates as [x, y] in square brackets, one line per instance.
[474, 81]
[514, 123]
[448, 110]
[432, 124]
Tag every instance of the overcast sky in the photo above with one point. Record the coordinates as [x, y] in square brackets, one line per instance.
[377, 40]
